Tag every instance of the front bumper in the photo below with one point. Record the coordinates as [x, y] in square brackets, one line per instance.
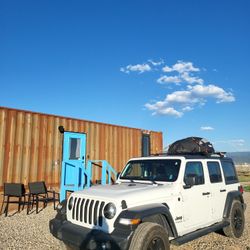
[79, 237]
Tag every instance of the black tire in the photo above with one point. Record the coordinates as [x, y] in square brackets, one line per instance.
[236, 220]
[63, 246]
[158, 219]
[150, 236]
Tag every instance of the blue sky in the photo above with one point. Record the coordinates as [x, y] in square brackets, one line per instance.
[180, 67]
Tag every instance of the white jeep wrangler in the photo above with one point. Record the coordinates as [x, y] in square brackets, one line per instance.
[156, 201]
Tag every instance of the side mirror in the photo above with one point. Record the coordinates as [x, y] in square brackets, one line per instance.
[189, 181]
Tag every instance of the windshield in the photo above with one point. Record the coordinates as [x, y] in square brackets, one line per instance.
[152, 170]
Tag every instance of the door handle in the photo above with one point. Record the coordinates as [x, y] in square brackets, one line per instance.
[207, 193]
[223, 190]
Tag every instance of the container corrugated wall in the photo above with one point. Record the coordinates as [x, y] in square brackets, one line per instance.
[31, 145]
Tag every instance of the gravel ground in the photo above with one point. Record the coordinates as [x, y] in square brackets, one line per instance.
[22, 231]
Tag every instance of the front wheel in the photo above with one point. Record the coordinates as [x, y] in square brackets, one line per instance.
[236, 220]
[150, 236]
[63, 246]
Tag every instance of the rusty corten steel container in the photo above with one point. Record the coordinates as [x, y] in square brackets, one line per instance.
[31, 145]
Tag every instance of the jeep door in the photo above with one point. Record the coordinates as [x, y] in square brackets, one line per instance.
[196, 197]
[217, 189]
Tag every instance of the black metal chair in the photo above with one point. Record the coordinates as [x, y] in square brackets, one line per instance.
[16, 191]
[38, 193]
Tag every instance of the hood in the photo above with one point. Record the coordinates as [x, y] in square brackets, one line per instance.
[132, 193]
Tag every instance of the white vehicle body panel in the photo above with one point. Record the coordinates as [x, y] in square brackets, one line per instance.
[189, 207]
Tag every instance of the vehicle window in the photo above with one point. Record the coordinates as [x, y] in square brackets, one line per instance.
[214, 172]
[195, 169]
[156, 170]
[229, 172]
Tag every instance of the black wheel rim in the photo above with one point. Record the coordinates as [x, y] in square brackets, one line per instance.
[238, 220]
[156, 244]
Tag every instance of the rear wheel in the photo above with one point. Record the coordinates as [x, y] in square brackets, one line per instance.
[150, 236]
[236, 220]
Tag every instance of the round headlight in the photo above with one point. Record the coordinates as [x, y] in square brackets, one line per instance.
[109, 211]
[70, 203]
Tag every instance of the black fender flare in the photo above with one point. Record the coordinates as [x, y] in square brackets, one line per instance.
[229, 200]
[144, 211]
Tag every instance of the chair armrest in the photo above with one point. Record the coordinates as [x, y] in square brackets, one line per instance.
[54, 193]
[51, 191]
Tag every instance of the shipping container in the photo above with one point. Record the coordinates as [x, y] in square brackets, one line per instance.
[31, 145]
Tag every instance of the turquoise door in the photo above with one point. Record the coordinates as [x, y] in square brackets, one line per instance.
[73, 164]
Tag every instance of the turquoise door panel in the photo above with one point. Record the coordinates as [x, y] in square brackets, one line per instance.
[73, 164]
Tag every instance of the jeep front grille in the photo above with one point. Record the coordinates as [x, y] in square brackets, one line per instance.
[88, 211]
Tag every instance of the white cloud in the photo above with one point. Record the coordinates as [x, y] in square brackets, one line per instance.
[191, 79]
[206, 128]
[160, 109]
[183, 97]
[167, 69]
[212, 91]
[154, 63]
[169, 79]
[169, 111]
[185, 77]
[141, 68]
[156, 106]
[187, 109]
[181, 67]
[196, 93]
[185, 70]
[186, 100]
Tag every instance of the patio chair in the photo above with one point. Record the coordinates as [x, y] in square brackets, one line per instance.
[38, 193]
[16, 191]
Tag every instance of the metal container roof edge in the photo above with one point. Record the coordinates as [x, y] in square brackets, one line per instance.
[77, 119]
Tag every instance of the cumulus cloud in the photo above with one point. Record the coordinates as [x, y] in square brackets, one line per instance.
[206, 128]
[181, 67]
[184, 77]
[194, 92]
[187, 109]
[141, 68]
[182, 96]
[159, 108]
[187, 100]
[212, 91]
[169, 79]
[191, 79]
[167, 69]
[185, 73]
[170, 111]
[154, 63]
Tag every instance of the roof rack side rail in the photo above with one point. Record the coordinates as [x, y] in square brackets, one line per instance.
[220, 154]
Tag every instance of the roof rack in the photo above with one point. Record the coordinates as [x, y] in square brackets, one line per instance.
[220, 154]
[215, 154]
